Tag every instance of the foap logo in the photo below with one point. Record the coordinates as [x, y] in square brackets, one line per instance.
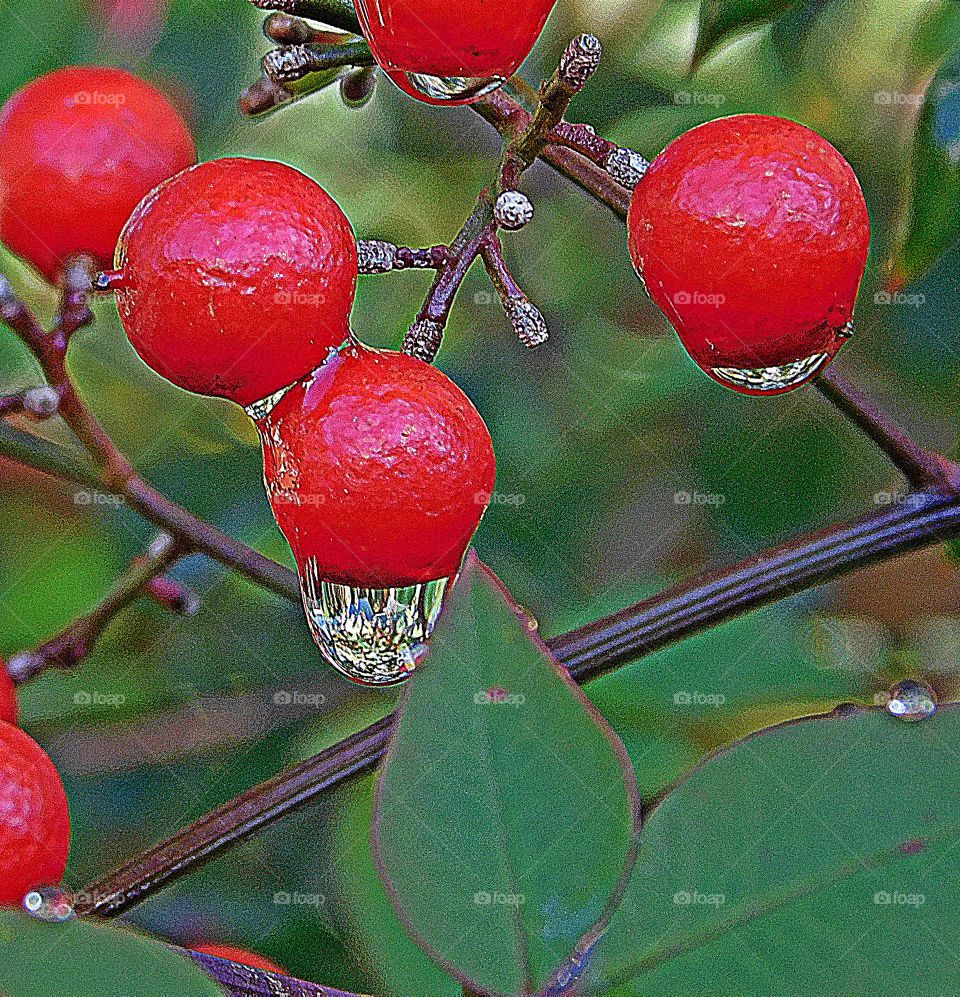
[899, 298]
[86, 496]
[685, 698]
[685, 98]
[297, 298]
[896, 98]
[495, 899]
[498, 696]
[698, 298]
[99, 98]
[886, 898]
[287, 497]
[293, 697]
[285, 899]
[694, 898]
[94, 698]
[500, 498]
[698, 498]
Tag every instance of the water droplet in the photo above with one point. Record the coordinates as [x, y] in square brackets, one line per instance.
[912, 700]
[769, 380]
[49, 903]
[445, 89]
[372, 636]
[258, 411]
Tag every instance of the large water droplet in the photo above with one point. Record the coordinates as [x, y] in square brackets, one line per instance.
[769, 380]
[445, 89]
[372, 636]
[912, 700]
[49, 903]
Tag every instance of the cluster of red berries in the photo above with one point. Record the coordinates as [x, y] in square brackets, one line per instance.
[236, 278]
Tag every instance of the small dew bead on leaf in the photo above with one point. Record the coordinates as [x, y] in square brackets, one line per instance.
[451, 53]
[60, 193]
[34, 820]
[751, 235]
[237, 278]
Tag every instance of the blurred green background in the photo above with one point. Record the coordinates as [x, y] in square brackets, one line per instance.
[621, 467]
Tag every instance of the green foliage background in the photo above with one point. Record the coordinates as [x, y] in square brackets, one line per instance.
[599, 435]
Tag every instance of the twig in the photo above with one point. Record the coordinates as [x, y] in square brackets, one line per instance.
[527, 321]
[291, 63]
[71, 646]
[337, 13]
[245, 981]
[379, 257]
[920, 467]
[588, 652]
[78, 284]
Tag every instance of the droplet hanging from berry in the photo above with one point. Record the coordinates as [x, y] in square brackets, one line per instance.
[445, 53]
[378, 469]
[751, 235]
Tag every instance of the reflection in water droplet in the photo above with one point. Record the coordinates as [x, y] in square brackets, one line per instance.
[771, 379]
[445, 89]
[373, 636]
[49, 903]
[912, 700]
[261, 409]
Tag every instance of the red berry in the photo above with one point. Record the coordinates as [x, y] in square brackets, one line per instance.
[34, 820]
[751, 235]
[236, 954]
[379, 470]
[79, 148]
[8, 696]
[237, 278]
[444, 52]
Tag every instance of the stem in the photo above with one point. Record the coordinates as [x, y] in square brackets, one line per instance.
[290, 64]
[239, 980]
[920, 467]
[588, 652]
[71, 646]
[337, 13]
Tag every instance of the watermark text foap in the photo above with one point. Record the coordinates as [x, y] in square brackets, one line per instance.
[294, 697]
[686, 98]
[885, 898]
[99, 98]
[93, 697]
[87, 496]
[694, 898]
[283, 898]
[699, 498]
[900, 298]
[500, 498]
[483, 898]
[499, 697]
[699, 298]
[694, 698]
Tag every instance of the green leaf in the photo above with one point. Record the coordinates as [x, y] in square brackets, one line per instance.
[931, 215]
[79, 958]
[718, 17]
[812, 858]
[507, 812]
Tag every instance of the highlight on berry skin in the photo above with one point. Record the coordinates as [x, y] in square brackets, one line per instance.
[378, 469]
[235, 278]
[451, 53]
[751, 235]
[60, 199]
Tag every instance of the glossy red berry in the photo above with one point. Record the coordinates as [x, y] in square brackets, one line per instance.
[451, 53]
[751, 235]
[8, 696]
[236, 954]
[236, 278]
[34, 820]
[79, 148]
[379, 470]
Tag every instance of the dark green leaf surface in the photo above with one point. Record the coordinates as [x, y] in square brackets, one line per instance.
[818, 857]
[77, 959]
[506, 812]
